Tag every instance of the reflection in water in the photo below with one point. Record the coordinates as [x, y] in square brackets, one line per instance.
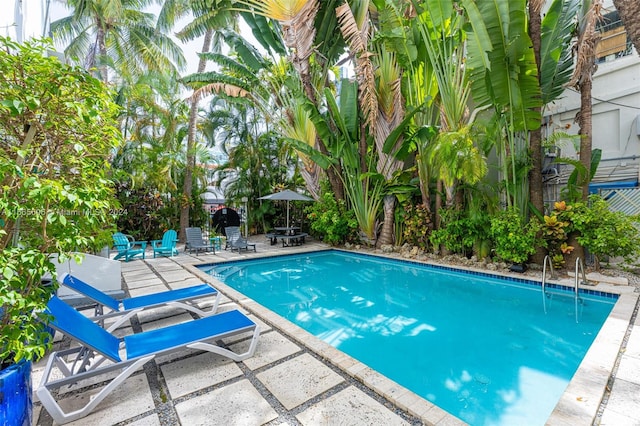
[480, 348]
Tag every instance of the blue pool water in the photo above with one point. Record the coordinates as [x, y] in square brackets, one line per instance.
[478, 346]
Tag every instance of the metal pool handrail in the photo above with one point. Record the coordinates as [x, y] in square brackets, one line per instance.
[580, 267]
[576, 287]
[547, 260]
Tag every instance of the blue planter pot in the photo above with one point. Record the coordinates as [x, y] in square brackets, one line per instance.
[16, 406]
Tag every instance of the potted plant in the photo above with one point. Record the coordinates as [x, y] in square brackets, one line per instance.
[57, 130]
[515, 240]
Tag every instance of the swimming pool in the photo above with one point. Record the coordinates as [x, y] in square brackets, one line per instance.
[478, 346]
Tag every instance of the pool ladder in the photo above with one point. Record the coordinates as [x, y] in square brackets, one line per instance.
[576, 285]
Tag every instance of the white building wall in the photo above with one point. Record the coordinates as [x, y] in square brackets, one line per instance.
[616, 123]
[24, 19]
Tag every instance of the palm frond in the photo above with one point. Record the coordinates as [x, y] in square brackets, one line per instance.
[357, 39]
[280, 10]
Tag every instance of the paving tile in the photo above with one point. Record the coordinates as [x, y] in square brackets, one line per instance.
[187, 282]
[611, 418]
[298, 380]
[238, 404]
[271, 347]
[132, 398]
[624, 399]
[37, 409]
[633, 344]
[629, 370]
[133, 266]
[349, 407]
[198, 372]
[151, 420]
[161, 264]
[140, 275]
[152, 319]
[149, 280]
[176, 276]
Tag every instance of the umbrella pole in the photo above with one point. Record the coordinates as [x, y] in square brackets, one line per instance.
[287, 213]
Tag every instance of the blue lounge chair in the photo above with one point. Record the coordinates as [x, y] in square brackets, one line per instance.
[98, 345]
[123, 310]
[127, 247]
[167, 245]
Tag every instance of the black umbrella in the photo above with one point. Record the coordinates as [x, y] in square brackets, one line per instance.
[287, 195]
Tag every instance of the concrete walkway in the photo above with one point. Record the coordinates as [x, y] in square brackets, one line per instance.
[293, 378]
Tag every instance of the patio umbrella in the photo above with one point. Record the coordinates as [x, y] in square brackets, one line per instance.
[287, 195]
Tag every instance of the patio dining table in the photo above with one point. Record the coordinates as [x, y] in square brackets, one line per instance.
[286, 230]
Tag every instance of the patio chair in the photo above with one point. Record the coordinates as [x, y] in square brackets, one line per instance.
[183, 298]
[195, 241]
[235, 241]
[167, 245]
[126, 247]
[127, 356]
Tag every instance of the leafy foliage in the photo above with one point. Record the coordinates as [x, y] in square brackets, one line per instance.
[460, 232]
[417, 225]
[514, 240]
[21, 298]
[603, 232]
[331, 221]
[57, 127]
[556, 229]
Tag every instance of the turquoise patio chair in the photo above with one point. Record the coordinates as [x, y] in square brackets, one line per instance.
[167, 245]
[126, 247]
[100, 352]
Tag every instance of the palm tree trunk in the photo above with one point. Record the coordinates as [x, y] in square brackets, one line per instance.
[102, 49]
[629, 11]
[585, 122]
[386, 233]
[535, 136]
[187, 188]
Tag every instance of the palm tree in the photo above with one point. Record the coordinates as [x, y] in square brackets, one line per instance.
[629, 11]
[154, 123]
[256, 158]
[208, 19]
[380, 98]
[116, 33]
[297, 19]
[582, 79]
[551, 40]
[503, 74]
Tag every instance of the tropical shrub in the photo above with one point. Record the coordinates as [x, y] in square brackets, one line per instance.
[417, 225]
[331, 221]
[57, 130]
[514, 240]
[555, 232]
[605, 233]
[462, 233]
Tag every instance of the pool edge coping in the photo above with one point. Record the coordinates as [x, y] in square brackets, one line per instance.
[580, 401]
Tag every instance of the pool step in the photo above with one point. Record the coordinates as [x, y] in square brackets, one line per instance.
[226, 272]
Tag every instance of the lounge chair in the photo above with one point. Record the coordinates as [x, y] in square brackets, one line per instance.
[127, 356]
[126, 247]
[167, 245]
[195, 241]
[123, 310]
[235, 241]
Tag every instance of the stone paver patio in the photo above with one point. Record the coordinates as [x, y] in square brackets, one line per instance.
[296, 379]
